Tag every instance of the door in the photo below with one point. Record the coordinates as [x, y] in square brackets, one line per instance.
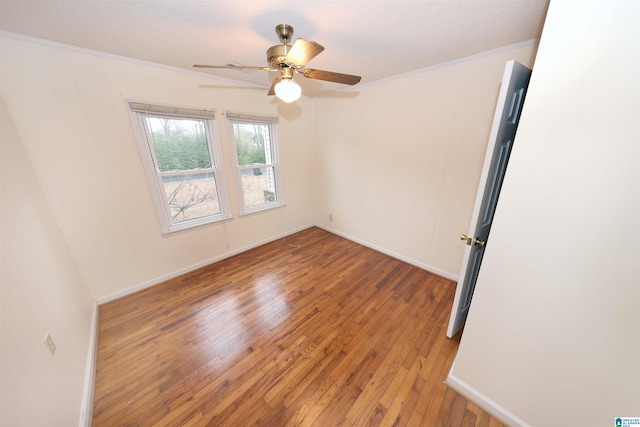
[505, 122]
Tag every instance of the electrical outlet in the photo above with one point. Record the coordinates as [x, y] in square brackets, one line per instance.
[330, 217]
[48, 342]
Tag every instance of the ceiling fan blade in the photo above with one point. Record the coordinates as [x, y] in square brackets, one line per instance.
[272, 90]
[236, 67]
[330, 76]
[302, 52]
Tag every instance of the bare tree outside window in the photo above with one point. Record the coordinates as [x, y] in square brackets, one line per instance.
[184, 164]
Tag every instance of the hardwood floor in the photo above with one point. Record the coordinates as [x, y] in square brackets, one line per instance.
[312, 331]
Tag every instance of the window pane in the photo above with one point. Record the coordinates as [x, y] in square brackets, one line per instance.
[191, 196]
[258, 186]
[252, 143]
[179, 144]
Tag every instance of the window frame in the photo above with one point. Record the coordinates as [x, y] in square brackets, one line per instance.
[139, 112]
[272, 123]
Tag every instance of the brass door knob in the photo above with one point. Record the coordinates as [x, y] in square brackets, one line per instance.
[471, 241]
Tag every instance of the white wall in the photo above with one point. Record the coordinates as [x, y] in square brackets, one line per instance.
[69, 107]
[553, 333]
[398, 164]
[41, 290]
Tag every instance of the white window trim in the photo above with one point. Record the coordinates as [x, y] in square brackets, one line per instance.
[276, 163]
[147, 155]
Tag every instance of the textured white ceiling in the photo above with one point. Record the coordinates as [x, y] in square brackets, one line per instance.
[372, 38]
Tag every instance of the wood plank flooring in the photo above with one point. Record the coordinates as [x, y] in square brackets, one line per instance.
[312, 331]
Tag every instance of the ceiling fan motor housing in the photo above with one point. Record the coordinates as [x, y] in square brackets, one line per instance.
[276, 55]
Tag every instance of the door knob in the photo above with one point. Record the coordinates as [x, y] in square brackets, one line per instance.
[471, 241]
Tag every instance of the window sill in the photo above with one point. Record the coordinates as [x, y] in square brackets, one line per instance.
[258, 209]
[193, 225]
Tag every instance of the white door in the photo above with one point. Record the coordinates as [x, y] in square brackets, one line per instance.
[505, 122]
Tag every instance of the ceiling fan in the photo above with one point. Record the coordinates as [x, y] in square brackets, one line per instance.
[289, 59]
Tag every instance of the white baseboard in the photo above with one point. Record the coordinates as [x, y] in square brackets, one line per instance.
[484, 402]
[392, 254]
[193, 267]
[86, 407]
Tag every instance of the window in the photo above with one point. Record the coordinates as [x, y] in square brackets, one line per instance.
[256, 154]
[180, 157]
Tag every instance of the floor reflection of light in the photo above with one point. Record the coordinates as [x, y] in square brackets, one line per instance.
[230, 321]
[221, 322]
[270, 298]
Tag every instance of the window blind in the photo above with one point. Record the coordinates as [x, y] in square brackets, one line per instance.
[140, 107]
[249, 118]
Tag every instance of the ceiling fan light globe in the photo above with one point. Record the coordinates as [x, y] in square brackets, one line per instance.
[288, 90]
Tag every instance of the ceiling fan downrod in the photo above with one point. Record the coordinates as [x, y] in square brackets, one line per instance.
[284, 32]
